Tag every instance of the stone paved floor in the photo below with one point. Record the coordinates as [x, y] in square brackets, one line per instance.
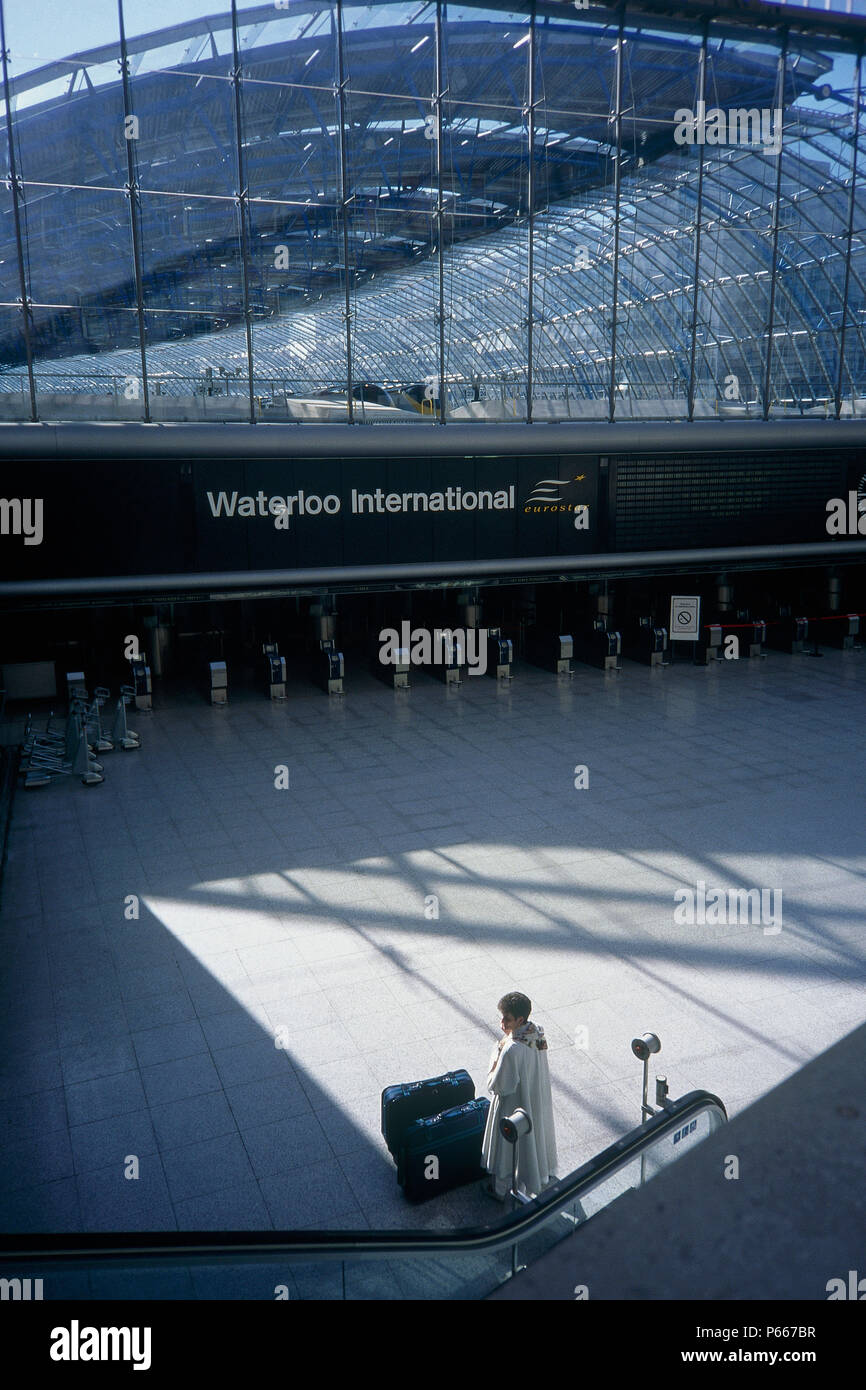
[301, 913]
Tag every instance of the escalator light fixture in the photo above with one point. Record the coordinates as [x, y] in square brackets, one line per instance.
[644, 1045]
[513, 1127]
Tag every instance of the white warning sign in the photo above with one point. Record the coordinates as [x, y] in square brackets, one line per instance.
[685, 618]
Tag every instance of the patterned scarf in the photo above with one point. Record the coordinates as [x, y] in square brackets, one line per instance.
[530, 1036]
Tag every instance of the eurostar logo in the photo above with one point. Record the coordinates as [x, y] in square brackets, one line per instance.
[547, 489]
[548, 495]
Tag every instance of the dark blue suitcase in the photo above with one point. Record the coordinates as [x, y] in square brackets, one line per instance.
[401, 1105]
[442, 1151]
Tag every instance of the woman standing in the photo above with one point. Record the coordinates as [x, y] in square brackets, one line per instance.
[519, 1077]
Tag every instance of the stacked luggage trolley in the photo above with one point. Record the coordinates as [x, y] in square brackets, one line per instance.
[70, 750]
[433, 1130]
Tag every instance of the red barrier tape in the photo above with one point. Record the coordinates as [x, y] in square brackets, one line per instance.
[777, 622]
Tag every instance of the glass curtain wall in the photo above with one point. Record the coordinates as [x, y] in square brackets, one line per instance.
[738, 234]
[492, 175]
[393, 124]
[72, 183]
[574, 231]
[298, 213]
[192, 275]
[420, 211]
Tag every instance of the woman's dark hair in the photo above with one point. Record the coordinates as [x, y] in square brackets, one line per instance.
[515, 1004]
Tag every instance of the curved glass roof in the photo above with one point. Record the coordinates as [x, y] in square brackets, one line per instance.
[511, 203]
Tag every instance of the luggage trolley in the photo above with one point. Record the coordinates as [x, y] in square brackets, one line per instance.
[121, 734]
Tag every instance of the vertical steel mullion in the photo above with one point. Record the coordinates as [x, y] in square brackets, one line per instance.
[768, 366]
[132, 192]
[851, 213]
[16, 219]
[242, 197]
[440, 211]
[344, 202]
[702, 92]
[530, 194]
[611, 401]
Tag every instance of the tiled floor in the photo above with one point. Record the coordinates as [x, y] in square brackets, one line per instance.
[298, 917]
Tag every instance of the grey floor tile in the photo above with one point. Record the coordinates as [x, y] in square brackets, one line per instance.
[372, 1177]
[343, 1083]
[104, 1097]
[272, 1098]
[178, 1079]
[205, 1166]
[353, 1129]
[43, 1157]
[293, 1143]
[149, 981]
[49, 1206]
[168, 1042]
[182, 1122]
[315, 1046]
[175, 1006]
[22, 1074]
[253, 1061]
[90, 1060]
[318, 1194]
[110, 1201]
[89, 1022]
[232, 1029]
[22, 1117]
[104, 1143]
[237, 1208]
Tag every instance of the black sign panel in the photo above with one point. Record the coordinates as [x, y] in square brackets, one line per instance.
[102, 518]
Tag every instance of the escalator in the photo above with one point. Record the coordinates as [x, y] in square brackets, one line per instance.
[420, 1264]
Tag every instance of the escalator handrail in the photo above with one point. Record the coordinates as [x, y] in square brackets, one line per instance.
[110, 1246]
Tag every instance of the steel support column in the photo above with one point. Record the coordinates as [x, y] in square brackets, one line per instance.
[530, 194]
[242, 200]
[699, 212]
[340, 94]
[440, 212]
[16, 218]
[850, 237]
[780, 87]
[617, 122]
[132, 193]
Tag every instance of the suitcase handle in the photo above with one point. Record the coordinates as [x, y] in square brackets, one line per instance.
[447, 1080]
